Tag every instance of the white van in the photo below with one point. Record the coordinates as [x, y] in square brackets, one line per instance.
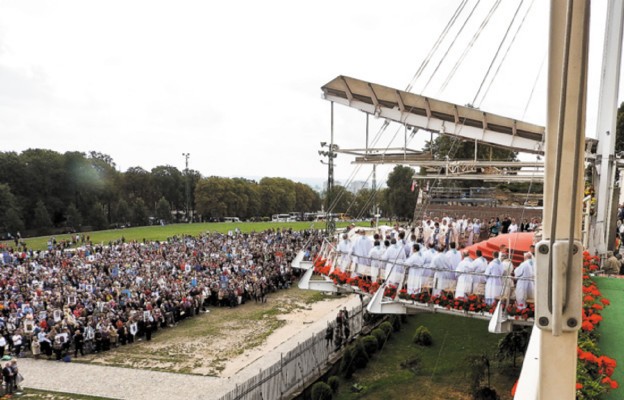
[231, 219]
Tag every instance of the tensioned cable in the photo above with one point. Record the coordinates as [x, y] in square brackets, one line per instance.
[448, 49]
[470, 44]
[513, 39]
[500, 46]
[422, 67]
[441, 37]
[539, 71]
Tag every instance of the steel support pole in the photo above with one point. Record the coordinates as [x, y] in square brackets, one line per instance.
[606, 125]
[549, 370]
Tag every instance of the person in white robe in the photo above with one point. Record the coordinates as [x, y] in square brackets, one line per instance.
[394, 256]
[525, 287]
[375, 254]
[344, 250]
[494, 282]
[453, 257]
[414, 263]
[427, 274]
[478, 266]
[464, 280]
[443, 274]
[508, 283]
[361, 248]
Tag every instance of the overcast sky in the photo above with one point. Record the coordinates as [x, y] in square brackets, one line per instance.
[237, 83]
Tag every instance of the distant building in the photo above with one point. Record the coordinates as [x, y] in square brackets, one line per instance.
[356, 186]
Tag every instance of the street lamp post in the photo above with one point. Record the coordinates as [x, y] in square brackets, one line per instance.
[187, 185]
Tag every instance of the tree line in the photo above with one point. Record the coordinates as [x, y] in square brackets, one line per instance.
[43, 191]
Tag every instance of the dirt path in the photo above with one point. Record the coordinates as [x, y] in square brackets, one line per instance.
[297, 323]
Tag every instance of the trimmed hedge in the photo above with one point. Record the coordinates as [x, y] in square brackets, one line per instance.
[360, 357]
[380, 336]
[423, 337]
[321, 391]
[386, 327]
[396, 323]
[334, 383]
[370, 343]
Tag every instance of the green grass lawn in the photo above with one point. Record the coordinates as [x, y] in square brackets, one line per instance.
[163, 232]
[610, 329]
[442, 373]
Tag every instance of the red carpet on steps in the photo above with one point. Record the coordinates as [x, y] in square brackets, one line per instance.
[517, 243]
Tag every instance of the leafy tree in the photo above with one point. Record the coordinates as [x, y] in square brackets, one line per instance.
[140, 213]
[42, 218]
[478, 367]
[97, 217]
[13, 220]
[513, 343]
[162, 209]
[123, 213]
[341, 199]
[363, 203]
[212, 196]
[278, 195]
[619, 129]
[169, 183]
[444, 147]
[74, 218]
[137, 183]
[399, 197]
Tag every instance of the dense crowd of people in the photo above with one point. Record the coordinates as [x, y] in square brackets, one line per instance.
[93, 297]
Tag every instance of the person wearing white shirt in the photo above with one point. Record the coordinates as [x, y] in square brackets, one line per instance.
[513, 227]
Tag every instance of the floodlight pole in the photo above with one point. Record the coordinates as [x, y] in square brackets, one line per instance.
[187, 184]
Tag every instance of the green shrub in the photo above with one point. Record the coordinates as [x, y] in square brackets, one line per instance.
[370, 344]
[321, 391]
[360, 357]
[396, 323]
[334, 383]
[347, 368]
[386, 327]
[380, 336]
[485, 393]
[422, 336]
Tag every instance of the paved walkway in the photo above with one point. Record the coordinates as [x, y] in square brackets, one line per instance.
[126, 383]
